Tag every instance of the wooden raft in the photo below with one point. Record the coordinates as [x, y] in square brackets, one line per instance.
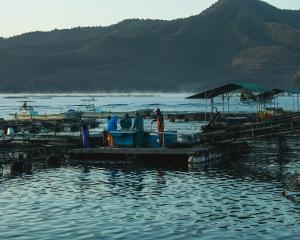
[156, 156]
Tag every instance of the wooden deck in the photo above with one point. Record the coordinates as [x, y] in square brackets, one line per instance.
[250, 131]
[138, 151]
[153, 156]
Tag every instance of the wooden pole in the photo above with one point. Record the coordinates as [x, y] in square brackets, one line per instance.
[205, 107]
[223, 97]
[228, 106]
[298, 102]
[293, 103]
[212, 108]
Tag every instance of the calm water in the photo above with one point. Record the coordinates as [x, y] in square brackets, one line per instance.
[124, 102]
[236, 200]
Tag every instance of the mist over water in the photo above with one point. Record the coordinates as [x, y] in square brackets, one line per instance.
[239, 199]
[56, 103]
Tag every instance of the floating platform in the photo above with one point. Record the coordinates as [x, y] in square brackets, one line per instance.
[156, 156]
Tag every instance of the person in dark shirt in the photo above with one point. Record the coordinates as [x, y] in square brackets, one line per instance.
[85, 134]
[126, 122]
[138, 127]
[160, 125]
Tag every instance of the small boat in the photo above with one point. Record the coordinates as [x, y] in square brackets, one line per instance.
[88, 109]
[27, 112]
[178, 118]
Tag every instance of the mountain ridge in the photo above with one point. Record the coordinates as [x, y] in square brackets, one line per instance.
[233, 40]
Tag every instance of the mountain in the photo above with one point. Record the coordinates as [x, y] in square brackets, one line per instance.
[233, 40]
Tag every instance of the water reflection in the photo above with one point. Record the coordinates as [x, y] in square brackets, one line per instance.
[123, 183]
[160, 182]
[237, 198]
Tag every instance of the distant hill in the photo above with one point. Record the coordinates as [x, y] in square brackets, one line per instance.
[233, 40]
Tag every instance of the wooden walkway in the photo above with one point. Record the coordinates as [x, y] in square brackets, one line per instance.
[248, 132]
[153, 156]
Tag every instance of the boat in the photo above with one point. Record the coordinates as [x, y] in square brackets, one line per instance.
[88, 109]
[27, 112]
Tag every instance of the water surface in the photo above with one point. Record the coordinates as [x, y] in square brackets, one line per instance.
[240, 199]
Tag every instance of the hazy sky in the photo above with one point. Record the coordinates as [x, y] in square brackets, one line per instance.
[19, 16]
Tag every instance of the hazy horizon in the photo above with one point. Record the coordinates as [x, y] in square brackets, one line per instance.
[45, 15]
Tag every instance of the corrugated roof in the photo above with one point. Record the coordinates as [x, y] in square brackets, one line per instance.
[292, 91]
[269, 94]
[212, 93]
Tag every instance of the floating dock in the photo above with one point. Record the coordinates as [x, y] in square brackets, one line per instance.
[156, 156]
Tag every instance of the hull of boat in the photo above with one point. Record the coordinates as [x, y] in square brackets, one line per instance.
[47, 117]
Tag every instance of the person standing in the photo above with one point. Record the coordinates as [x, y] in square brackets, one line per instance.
[112, 125]
[85, 135]
[126, 122]
[138, 127]
[160, 125]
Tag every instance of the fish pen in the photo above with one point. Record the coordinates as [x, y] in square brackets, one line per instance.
[20, 156]
[215, 133]
[22, 150]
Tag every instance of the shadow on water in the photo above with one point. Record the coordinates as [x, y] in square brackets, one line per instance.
[27, 167]
[9, 172]
[130, 182]
[275, 160]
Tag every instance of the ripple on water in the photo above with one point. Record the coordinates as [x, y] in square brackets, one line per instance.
[237, 200]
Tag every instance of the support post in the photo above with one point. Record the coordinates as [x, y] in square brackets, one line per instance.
[205, 108]
[298, 102]
[293, 103]
[228, 104]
